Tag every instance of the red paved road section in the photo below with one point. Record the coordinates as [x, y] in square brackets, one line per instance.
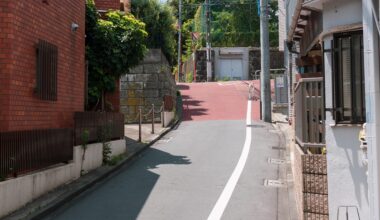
[217, 101]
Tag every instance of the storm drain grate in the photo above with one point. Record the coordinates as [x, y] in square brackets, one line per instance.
[276, 161]
[255, 126]
[278, 148]
[274, 183]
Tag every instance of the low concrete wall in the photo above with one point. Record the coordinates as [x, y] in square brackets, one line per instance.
[19, 191]
[168, 118]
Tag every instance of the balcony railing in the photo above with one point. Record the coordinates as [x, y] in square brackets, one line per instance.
[309, 112]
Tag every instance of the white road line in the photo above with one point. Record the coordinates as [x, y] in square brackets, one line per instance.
[222, 202]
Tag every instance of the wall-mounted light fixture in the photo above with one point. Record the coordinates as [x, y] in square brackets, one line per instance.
[74, 27]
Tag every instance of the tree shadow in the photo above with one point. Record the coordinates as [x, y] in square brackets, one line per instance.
[123, 196]
[190, 109]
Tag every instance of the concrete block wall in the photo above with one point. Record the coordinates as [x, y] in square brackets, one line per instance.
[19, 191]
[145, 85]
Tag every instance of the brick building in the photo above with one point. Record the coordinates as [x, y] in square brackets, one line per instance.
[41, 90]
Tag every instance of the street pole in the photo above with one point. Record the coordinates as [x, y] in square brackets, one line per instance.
[208, 41]
[266, 105]
[179, 40]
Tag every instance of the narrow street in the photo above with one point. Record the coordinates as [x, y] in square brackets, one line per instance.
[213, 165]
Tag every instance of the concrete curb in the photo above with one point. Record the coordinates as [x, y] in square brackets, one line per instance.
[61, 201]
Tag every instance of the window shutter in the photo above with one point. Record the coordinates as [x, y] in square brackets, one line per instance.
[47, 66]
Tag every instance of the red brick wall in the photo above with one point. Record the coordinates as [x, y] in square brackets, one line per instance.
[107, 4]
[22, 24]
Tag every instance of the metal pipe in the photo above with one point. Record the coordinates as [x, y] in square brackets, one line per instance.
[140, 121]
[163, 114]
[152, 118]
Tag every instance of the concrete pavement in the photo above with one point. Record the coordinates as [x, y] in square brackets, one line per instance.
[183, 175]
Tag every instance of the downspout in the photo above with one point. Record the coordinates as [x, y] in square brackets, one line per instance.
[371, 83]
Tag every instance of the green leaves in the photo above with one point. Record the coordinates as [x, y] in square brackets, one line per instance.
[160, 25]
[113, 46]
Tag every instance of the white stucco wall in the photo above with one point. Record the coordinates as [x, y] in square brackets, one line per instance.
[347, 178]
[341, 12]
[19, 191]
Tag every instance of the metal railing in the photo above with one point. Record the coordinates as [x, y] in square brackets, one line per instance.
[94, 122]
[309, 112]
[152, 114]
[22, 152]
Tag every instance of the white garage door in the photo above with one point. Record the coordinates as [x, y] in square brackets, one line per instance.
[232, 69]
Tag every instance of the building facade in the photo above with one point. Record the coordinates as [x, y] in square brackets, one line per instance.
[333, 50]
[24, 101]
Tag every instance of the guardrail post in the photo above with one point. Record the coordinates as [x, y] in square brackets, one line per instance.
[163, 114]
[152, 118]
[140, 121]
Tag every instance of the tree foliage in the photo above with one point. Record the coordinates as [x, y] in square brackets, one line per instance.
[160, 25]
[234, 23]
[113, 46]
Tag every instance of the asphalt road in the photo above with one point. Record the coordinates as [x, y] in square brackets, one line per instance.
[190, 173]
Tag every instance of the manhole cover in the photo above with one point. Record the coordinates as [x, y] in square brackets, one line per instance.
[274, 183]
[276, 161]
[165, 140]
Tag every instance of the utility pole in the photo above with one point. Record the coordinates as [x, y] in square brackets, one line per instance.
[266, 104]
[179, 40]
[208, 41]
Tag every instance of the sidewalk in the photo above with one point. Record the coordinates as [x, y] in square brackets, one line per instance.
[287, 202]
[58, 198]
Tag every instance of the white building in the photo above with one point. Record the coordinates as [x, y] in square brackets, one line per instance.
[335, 42]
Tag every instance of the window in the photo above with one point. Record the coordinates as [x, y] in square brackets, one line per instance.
[348, 76]
[47, 65]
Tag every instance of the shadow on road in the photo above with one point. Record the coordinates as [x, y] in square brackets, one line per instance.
[124, 195]
[190, 108]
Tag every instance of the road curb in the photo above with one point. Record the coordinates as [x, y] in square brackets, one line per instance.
[45, 211]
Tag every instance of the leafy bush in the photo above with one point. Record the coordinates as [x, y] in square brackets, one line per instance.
[113, 46]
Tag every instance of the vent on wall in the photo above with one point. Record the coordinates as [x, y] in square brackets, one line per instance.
[47, 65]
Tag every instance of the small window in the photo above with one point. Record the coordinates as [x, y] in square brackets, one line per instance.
[348, 76]
[47, 65]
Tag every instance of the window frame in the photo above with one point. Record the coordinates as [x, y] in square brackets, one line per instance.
[358, 115]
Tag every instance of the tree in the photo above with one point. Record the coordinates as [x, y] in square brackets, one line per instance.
[113, 46]
[160, 25]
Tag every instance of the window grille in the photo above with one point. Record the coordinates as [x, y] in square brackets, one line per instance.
[47, 65]
[348, 76]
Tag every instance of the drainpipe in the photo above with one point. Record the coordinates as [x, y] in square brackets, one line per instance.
[371, 70]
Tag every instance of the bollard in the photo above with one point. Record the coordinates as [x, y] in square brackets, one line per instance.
[163, 114]
[152, 118]
[140, 121]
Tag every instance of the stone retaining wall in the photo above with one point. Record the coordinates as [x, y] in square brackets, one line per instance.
[145, 85]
